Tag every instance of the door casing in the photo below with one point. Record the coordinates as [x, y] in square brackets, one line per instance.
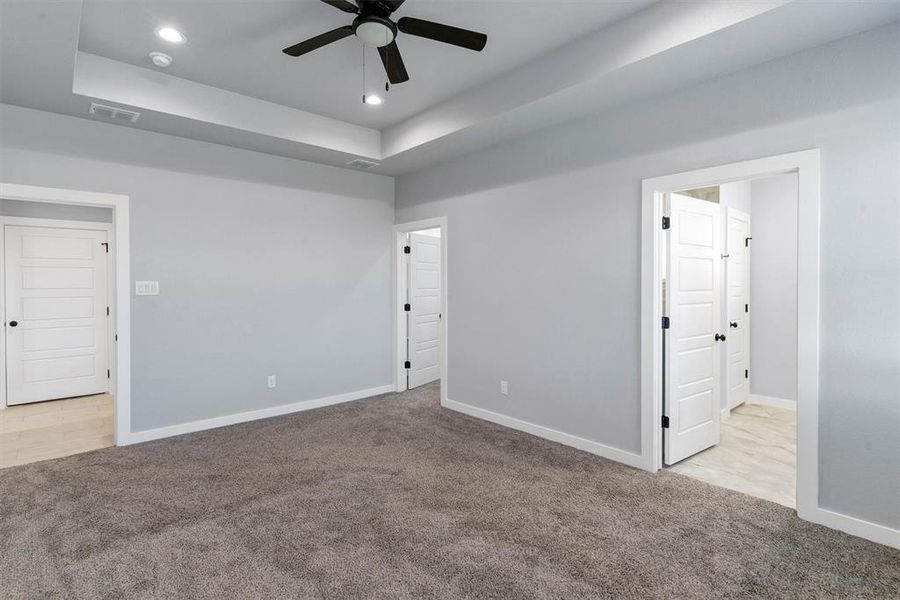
[120, 307]
[807, 165]
[400, 231]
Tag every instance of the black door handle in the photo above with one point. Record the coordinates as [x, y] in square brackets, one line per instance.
[720, 337]
[13, 323]
[733, 324]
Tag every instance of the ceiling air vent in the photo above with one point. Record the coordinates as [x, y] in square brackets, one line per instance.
[361, 164]
[114, 114]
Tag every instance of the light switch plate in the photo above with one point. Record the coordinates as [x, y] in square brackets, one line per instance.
[146, 288]
[270, 382]
[504, 388]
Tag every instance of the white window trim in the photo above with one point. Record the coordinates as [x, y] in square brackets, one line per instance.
[121, 365]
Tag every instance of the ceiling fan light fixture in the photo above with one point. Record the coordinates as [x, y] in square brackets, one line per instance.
[374, 32]
[373, 100]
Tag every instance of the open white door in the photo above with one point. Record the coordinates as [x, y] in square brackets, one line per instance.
[738, 294]
[424, 323]
[692, 363]
[55, 313]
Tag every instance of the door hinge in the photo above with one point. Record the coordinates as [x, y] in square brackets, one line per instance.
[407, 365]
[107, 373]
[747, 242]
[407, 307]
[117, 337]
[746, 308]
[406, 249]
[665, 322]
[746, 373]
[665, 422]
[107, 311]
[666, 223]
[105, 245]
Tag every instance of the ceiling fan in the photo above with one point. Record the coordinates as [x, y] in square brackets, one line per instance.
[374, 27]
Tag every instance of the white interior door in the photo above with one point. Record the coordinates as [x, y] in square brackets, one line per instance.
[55, 313]
[693, 384]
[424, 322]
[737, 279]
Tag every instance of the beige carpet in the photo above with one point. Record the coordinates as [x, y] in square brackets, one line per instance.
[394, 497]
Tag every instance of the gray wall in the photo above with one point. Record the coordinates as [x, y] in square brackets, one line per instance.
[290, 277]
[46, 210]
[544, 253]
[773, 287]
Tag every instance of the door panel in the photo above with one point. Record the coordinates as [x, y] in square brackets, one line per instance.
[738, 292]
[424, 320]
[56, 293]
[692, 354]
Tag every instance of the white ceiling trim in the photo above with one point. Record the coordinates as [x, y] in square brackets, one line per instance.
[645, 35]
[649, 33]
[666, 46]
[122, 83]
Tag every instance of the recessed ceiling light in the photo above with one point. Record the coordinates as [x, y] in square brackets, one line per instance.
[160, 60]
[170, 34]
[374, 100]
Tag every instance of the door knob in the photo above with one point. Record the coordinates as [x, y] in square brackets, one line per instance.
[13, 323]
[733, 324]
[720, 337]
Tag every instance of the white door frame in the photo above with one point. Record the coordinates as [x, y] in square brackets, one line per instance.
[120, 305]
[807, 165]
[400, 230]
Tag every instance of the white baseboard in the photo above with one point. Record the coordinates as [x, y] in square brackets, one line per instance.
[628, 458]
[137, 437]
[772, 401]
[874, 532]
[726, 414]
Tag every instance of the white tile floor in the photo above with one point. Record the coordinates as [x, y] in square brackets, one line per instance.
[757, 455]
[44, 430]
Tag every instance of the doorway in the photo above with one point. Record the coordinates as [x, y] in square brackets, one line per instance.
[806, 166]
[65, 362]
[724, 426]
[421, 306]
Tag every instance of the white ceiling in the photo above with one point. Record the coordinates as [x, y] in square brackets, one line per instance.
[231, 84]
[236, 45]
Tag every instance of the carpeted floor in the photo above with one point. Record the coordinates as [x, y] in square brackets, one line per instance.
[395, 497]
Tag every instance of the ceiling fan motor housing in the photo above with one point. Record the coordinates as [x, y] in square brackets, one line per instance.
[374, 31]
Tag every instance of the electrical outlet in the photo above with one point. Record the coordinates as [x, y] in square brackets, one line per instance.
[504, 388]
[271, 382]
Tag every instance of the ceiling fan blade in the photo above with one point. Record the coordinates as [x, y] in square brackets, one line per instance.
[443, 33]
[386, 5]
[343, 5]
[319, 41]
[393, 63]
